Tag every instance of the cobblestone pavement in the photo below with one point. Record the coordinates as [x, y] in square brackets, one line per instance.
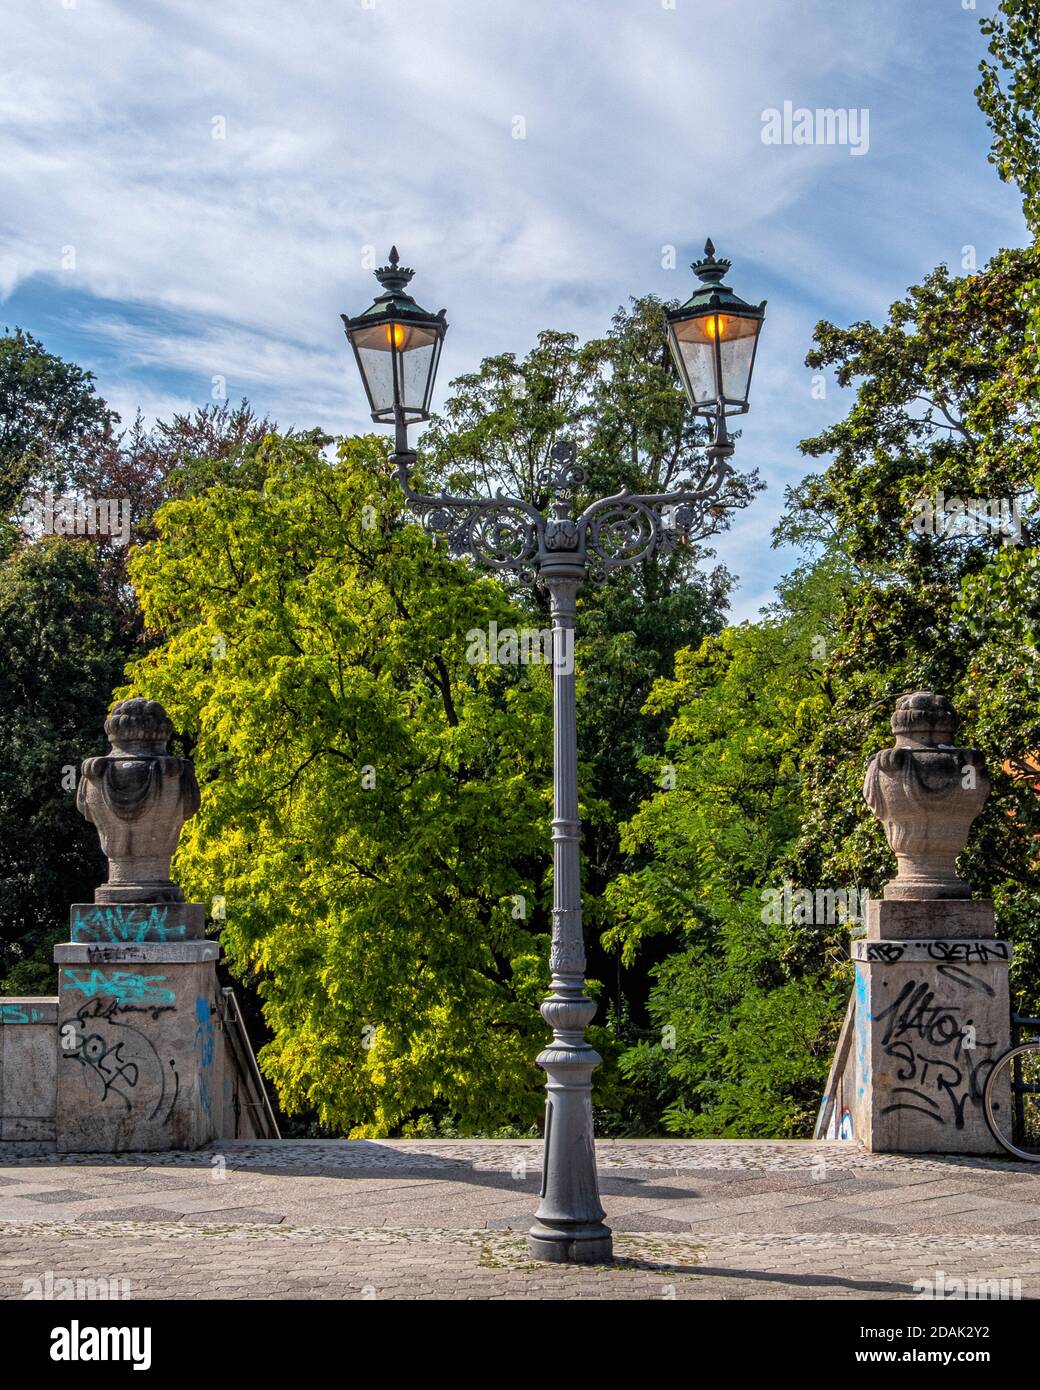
[445, 1219]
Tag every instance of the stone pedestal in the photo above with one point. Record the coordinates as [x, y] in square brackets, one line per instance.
[141, 1050]
[932, 1008]
[932, 1014]
[140, 1046]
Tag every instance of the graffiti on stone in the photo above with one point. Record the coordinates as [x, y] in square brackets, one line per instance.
[20, 1013]
[963, 951]
[145, 993]
[204, 1041]
[928, 1033]
[116, 922]
[969, 951]
[112, 955]
[888, 951]
[120, 1062]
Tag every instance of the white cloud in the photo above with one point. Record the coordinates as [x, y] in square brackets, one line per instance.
[349, 127]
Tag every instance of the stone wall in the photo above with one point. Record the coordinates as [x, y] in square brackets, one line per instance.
[80, 1077]
[28, 1068]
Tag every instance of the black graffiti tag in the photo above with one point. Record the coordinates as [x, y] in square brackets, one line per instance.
[927, 1038]
[884, 950]
[980, 951]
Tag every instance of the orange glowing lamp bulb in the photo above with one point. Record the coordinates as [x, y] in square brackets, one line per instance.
[395, 335]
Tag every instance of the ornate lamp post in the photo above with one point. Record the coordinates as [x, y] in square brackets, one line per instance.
[713, 339]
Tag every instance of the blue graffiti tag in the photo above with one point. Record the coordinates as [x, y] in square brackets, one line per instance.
[204, 1038]
[862, 1019]
[120, 985]
[20, 1013]
[115, 922]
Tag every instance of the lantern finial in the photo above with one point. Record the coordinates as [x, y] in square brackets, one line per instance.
[394, 277]
[710, 270]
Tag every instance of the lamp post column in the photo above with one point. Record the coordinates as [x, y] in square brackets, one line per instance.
[569, 1220]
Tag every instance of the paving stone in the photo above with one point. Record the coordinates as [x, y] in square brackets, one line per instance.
[122, 1214]
[57, 1196]
[447, 1219]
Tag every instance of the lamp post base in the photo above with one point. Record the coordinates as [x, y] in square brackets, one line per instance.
[575, 1245]
[568, 1225]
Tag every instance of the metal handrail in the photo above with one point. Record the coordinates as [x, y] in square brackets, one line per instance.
[1020, 1021]
[233, 1016]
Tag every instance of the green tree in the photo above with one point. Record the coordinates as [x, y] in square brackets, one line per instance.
[944, 408]
[1009, 96]
[63, 654]
[375, 807]
[52, 421]
[619, 399]
[745, 1006]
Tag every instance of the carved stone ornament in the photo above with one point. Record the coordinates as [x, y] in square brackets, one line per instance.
[138, 796]
[926, 792]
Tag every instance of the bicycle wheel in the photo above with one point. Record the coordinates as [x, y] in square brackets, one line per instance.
[1012, 1101]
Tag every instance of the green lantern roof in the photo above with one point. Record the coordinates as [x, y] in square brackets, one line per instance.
[395, 302]
[712, 293]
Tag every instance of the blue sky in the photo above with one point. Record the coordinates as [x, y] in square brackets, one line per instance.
[160, 257]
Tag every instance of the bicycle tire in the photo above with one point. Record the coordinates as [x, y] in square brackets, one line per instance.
[1005, 1065]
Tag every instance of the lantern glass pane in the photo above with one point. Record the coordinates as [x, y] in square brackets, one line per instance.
[738, 352]
[694, 346]
[404, 350]
[414, 367]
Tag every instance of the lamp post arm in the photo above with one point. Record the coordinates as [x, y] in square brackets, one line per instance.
[629, 527]
[680, 497]
[423, 501]
[499, 532]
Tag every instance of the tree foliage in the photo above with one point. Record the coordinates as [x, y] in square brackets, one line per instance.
[63, 654]
[374, 807]
[744, 1007]
[52, 421]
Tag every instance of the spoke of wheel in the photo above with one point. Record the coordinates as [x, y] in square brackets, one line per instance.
[1012, 1101]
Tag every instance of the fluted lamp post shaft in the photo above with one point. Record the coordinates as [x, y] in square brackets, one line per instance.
[569, 1222]
[561, 551]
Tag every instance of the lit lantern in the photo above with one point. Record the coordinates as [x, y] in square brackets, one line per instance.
[713, 338]
[397, 345]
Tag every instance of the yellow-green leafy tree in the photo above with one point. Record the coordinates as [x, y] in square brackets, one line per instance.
[374, 813]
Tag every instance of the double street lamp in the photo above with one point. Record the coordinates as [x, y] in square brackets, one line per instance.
[713, 338]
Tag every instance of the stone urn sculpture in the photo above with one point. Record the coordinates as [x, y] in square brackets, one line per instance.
[926, 792]
[138, 796]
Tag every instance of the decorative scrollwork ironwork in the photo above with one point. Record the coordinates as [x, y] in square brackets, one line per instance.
[563, 473]
[497, 534]
[623, 533]
[507, 533]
